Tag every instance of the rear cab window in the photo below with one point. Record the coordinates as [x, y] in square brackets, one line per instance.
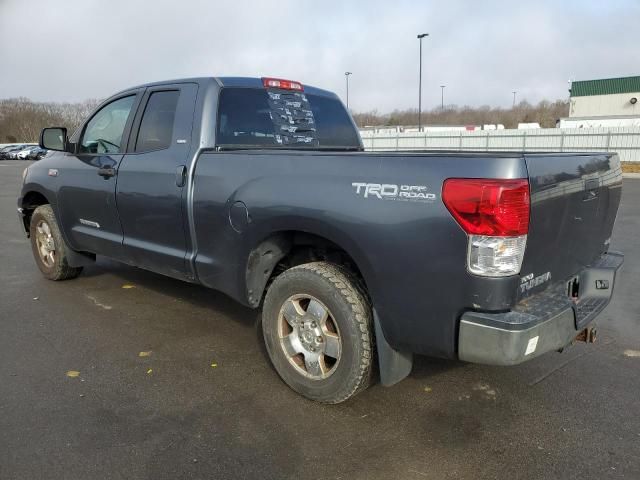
[274, 118]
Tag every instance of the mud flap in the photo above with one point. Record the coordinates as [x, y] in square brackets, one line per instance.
[394, 365]
[77, 259]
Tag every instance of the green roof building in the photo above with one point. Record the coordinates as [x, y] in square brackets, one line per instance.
[607, 97]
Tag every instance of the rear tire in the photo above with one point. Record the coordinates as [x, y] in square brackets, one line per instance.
[316, 324]
[48, 247]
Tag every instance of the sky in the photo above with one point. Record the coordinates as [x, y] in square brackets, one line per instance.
[482, 51]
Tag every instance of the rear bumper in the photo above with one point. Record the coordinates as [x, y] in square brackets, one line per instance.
[540, 323]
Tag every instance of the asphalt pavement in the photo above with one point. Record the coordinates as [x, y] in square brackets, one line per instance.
[125, 374]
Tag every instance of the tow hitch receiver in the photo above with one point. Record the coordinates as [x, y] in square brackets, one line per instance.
[587, 335]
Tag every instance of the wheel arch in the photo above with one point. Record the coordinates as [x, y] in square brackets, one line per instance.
[282, 249]
[31, 200]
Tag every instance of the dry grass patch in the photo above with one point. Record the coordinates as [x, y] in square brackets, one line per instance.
[631, 167]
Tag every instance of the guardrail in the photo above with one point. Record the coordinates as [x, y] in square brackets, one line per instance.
[624, 140]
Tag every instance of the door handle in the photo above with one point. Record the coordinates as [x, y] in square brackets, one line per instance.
[181, 175]
[107, 172]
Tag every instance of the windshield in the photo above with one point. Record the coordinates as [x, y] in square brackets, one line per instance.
[272, 118]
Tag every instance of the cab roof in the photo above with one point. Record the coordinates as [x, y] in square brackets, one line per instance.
[242, 82]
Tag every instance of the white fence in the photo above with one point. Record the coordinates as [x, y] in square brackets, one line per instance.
[625, 141]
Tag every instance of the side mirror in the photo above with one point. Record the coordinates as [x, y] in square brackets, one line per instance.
[54, 139]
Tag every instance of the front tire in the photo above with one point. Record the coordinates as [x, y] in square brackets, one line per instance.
[316, 324]
[48, 247]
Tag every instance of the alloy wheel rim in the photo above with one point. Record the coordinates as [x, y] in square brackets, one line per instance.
[309, 336]
[45, 244]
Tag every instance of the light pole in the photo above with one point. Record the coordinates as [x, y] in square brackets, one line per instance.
[420, 37]
[346, 75]
[442, 97]
[514, 98]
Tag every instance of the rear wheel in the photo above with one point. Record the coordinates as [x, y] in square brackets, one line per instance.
[316, 323]
[48, 247]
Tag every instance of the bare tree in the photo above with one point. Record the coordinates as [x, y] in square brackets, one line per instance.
[22, 120]
[546, 113]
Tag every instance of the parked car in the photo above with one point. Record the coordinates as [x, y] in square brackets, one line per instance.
[46, 154]
[13, 154]
[260, 188]
[29, 153]
[32, 153]
[24, 153]
[9, 151]
[4, 150]
[40, 154]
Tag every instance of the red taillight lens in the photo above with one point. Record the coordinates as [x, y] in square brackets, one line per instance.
[282, 84]
[489, 207]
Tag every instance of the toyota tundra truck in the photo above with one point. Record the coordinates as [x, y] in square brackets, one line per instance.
[260, 188]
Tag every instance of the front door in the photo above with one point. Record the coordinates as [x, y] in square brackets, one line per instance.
[86, 199]
[151, 180]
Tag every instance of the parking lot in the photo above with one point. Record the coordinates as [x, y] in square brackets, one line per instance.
[123, 373]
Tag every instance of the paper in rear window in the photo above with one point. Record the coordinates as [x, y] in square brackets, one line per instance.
[279, 118]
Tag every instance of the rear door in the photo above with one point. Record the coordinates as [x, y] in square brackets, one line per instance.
[574, 200]
[151, 180]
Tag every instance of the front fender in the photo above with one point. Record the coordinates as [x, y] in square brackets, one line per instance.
[31, 196]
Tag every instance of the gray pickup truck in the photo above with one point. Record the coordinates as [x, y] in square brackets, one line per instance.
[260, 188]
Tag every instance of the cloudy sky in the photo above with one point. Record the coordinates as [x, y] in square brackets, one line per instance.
[481, 50]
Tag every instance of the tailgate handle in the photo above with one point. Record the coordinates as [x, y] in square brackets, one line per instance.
[591, 189]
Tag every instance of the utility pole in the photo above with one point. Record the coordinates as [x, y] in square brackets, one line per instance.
[420, 37]
[346, 75]
[442, 97]
[514, 98]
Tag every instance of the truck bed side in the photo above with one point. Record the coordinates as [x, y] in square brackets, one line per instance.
[410, 251]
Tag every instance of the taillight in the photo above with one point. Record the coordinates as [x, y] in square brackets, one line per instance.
[282, 84]
[488, 207]
[495, 215]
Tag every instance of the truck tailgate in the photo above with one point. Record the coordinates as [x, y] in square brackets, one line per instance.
[574, 200]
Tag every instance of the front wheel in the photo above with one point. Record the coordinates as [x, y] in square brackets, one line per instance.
[48, 247]
[316, 323]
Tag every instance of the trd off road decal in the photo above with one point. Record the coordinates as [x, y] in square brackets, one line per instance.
[391, 191]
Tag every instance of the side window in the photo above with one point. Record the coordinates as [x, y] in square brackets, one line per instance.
[156, 127]
[103, 133]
